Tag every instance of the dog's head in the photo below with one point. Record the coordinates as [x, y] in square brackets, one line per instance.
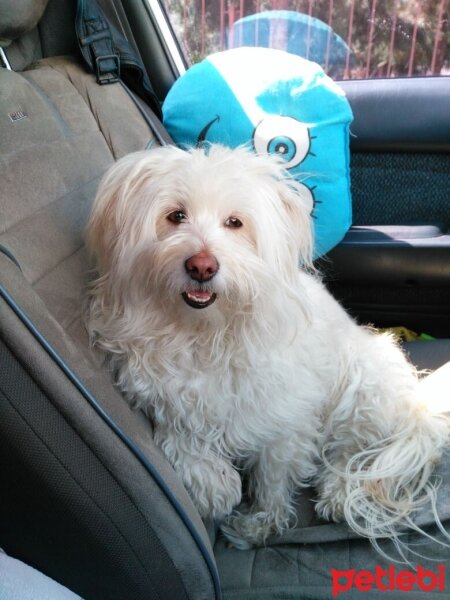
[191, 230]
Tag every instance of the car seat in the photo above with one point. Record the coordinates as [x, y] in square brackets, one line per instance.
[86, 496]
[80, 501]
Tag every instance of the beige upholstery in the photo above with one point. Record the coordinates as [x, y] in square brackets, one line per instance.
[57, 152]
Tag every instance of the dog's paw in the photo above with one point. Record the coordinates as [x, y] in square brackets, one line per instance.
[234, 536]
[246, 529]
[215, 488]
[331, 509]
[333, 496]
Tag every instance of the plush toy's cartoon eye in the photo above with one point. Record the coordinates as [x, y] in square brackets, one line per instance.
[283, 136]
[283, 146]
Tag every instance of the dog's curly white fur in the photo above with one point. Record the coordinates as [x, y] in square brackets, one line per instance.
[244, 361]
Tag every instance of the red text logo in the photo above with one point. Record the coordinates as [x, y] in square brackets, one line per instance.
[388, 579]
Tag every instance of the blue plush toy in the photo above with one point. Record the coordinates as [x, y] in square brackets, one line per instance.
[277, 103]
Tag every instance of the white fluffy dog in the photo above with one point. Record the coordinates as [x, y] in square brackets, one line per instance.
[217, 325]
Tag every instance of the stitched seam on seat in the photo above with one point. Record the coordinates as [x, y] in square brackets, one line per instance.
[56, 265]
[41, 145]
[53, 109]
[49, 204]
[93, 112]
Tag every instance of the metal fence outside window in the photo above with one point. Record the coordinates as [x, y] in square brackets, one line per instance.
[351, 39]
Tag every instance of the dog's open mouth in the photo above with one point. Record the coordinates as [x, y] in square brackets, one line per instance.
[199, 298]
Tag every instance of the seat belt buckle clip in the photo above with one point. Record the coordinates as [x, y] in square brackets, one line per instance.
[104, 73]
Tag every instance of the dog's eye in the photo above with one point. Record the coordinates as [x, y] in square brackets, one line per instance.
[177, 216]
[233, 222]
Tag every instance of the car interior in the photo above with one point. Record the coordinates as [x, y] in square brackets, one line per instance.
[86, 496]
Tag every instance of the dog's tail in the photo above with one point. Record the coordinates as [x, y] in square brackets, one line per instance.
[390, 481]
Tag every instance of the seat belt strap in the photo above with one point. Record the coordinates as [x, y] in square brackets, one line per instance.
[160, 132]
[109, 55]
[96, 43]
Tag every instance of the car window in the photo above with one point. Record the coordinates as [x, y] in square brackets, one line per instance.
[350, 39]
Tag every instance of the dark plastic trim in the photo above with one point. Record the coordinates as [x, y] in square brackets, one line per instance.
[400, 255]
[400, 114]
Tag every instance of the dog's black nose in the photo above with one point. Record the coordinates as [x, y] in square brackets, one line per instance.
[202, 266]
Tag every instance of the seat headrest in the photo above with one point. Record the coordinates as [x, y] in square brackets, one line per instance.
[18, 17]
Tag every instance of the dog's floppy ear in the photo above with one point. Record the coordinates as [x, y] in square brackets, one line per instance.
[287, 236]
[289, 245]
[105, 222]
[123, 204]
[297, 205]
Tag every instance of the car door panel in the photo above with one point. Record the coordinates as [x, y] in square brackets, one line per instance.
[401, 115]
[393, 266]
